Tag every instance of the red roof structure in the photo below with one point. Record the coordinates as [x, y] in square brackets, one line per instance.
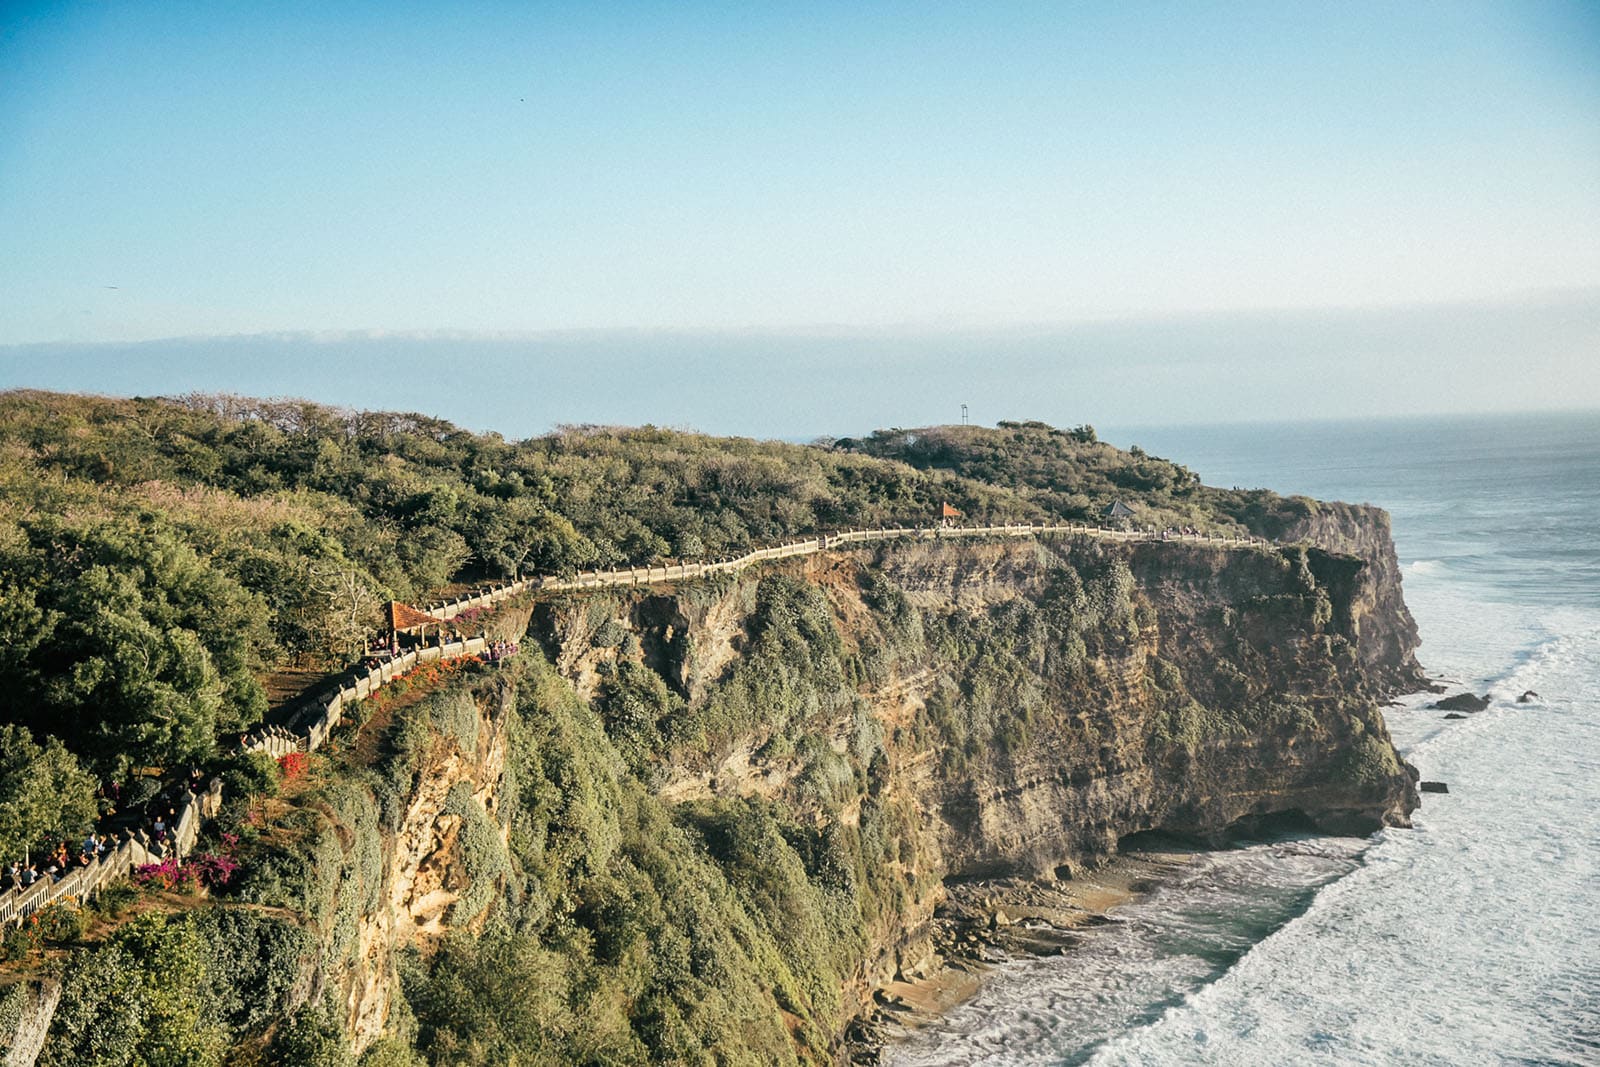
[404, 617]
[948, 512]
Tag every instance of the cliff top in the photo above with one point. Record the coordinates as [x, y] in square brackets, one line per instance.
[222, 537]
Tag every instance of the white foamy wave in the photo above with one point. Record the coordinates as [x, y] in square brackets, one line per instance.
[1551, 660]
[1424, 566]
[1467, 940]
[1055, 1010]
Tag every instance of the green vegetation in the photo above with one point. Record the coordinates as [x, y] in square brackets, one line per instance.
[175, 989]
[1071, 474]
[159, 558]
[44, 794]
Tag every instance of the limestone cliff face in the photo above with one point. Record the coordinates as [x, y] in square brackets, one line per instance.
[406, 878]
[914, 712]
[1239, 695]
[1039, 701]
[1384, 631]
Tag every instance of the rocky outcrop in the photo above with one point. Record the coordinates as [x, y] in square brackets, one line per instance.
[1385, 633]
[25, 1013]
[402, 886]
[1011, 708]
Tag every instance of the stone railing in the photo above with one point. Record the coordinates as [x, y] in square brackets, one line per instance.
[82, 883]
[649, 575]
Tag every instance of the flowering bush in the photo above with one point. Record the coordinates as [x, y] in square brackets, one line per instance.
[58, 922]
[293, 765]
[203, 870]
[53, 922]
[429, 674]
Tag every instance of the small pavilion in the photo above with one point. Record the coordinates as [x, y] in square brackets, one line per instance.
[1118, 514]
[405, 619]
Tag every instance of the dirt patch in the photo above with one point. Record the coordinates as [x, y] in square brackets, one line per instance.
[288, 685]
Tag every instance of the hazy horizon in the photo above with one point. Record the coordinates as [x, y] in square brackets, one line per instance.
[1179, 370]
[777, 222]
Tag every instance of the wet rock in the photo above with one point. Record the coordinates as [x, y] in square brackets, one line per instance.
[1462, 702]
[1455, 715]
[1528, 697]
[1434, 787]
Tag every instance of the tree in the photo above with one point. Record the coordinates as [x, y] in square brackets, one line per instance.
[128, 645]
[43, 792]
[352, 607]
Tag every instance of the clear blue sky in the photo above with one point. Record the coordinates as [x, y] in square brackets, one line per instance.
[917, 174]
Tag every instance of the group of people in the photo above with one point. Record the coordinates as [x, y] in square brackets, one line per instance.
[1179, 531]
[60, 862]
[158, 818]
[385, 647]
[500, 650]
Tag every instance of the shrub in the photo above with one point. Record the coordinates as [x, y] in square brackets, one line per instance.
[59, 922]
[293, 765]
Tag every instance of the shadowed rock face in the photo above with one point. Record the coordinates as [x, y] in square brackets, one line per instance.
[1386, 634]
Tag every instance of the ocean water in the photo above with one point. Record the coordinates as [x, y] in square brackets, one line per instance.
[1473, 938]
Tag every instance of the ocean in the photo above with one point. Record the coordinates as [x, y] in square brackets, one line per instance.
[1473, 938]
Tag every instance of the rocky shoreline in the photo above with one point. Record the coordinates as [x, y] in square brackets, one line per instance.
[983, 923]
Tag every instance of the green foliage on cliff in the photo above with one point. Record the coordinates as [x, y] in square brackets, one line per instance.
[175, 989]
[621, 937]
[157, 556]
[1071, 474]
[1370, 762]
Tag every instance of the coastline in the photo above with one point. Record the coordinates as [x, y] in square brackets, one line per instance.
[984, 923]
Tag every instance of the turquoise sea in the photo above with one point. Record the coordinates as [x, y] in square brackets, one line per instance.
[1473, 938]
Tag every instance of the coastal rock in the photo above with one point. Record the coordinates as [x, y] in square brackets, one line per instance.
[1435, 787]
[1140, 687]
[1528, 697]
[1455, 715]
[1462, 702]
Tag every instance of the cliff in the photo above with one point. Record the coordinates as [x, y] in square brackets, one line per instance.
[1384, 631]
[714, 817]
[1017, 708]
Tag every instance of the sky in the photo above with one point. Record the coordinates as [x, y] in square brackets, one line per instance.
[823, 217]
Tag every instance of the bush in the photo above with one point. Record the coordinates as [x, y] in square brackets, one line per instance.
[248, 774]
[59, 922]
[293, 765]
[313, 1038]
